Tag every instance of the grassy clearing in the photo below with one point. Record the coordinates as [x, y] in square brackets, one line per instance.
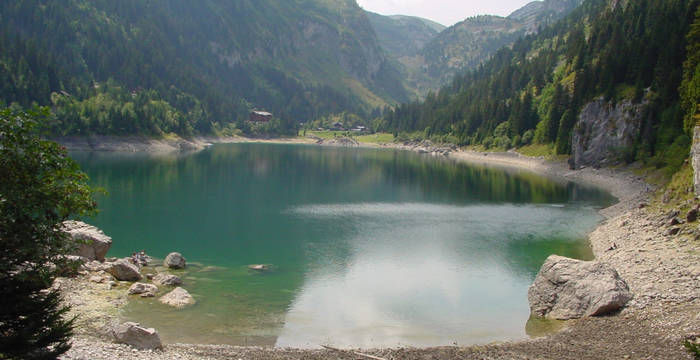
[378, 138]
[545, 150]
[678, 190]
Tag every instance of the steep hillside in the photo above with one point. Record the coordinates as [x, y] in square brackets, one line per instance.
[607, 57]
[206, 62]
[542, 13]
[403, 35]
[467, 44]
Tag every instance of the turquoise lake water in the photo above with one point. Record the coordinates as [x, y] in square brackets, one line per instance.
[367, 247]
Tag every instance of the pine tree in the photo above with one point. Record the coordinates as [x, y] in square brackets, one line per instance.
[40, 187]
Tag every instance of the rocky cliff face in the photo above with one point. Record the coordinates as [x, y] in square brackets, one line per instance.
[603, 131]
[538, 13]
[695, 159]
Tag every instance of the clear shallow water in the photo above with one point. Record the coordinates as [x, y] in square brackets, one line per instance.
[369, 247]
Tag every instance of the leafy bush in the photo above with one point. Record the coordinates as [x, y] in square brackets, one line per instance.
[40, 187]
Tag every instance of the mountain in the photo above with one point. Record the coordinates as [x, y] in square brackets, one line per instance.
[204, 63]
[619, 71]
[401, 35]
[467, 44]
[542, 13]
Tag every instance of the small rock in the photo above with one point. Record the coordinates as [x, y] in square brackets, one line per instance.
[124, 270]
[145, 290]
[178, 298]
[167, 279]
[674, 221]
[673, 231]
[259, 267]
[133, 334]
[174, 260]
[94, 266]
[97, 279]
[111, 284]
[692, 215]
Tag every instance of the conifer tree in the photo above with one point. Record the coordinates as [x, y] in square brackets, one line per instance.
[40, 187]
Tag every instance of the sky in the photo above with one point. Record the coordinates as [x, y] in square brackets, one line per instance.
[446, 12]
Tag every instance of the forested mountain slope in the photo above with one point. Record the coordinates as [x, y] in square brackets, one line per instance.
[190, 66]
[467, 44]
[533, 92]
[403, 35]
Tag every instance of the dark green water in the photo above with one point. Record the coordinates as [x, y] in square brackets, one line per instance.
[369, 247]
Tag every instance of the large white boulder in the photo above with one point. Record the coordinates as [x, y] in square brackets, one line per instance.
[174, 260]
[135, 335]
[91, 242]
[178, 298]
[568, 289]
[124, 270]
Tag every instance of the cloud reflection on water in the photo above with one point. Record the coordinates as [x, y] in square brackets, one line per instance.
[421, 274]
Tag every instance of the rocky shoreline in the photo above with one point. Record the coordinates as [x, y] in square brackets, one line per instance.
[659, 264]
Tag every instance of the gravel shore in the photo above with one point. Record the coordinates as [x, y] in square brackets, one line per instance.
[660, 264]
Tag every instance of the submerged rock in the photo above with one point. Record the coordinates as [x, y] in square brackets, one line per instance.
[167, 279]
[133, 334]
[145, 290]
[91, 242]
[178, 298]
[174, 260]
[259, 267]
[568, 289]
[124, 270]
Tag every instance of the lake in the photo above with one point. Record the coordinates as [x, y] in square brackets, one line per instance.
[367, 247]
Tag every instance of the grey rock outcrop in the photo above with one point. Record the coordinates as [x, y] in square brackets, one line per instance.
[604, 131]
[90, 241]
[695, 159]
[133, 334]
[167, 279]
[569, 289]
[124, 270]
[340, 142]
[178, 298]
[174, 260]
[145, 290]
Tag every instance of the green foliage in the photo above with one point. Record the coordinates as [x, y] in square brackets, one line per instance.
[690, 87]
[40, 187]
[211, 61]
[541, 83]
[566, 125]
[693, 348]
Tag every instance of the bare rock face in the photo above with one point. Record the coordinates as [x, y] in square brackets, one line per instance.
[604, 131]
[90, 241]
[174, 260]
[133, 334]
[178, 298]
[145, 290]
[569, 289]
[167, 279]
[695, 159]
[124, 270]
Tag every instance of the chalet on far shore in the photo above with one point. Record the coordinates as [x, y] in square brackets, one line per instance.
[260, 116]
